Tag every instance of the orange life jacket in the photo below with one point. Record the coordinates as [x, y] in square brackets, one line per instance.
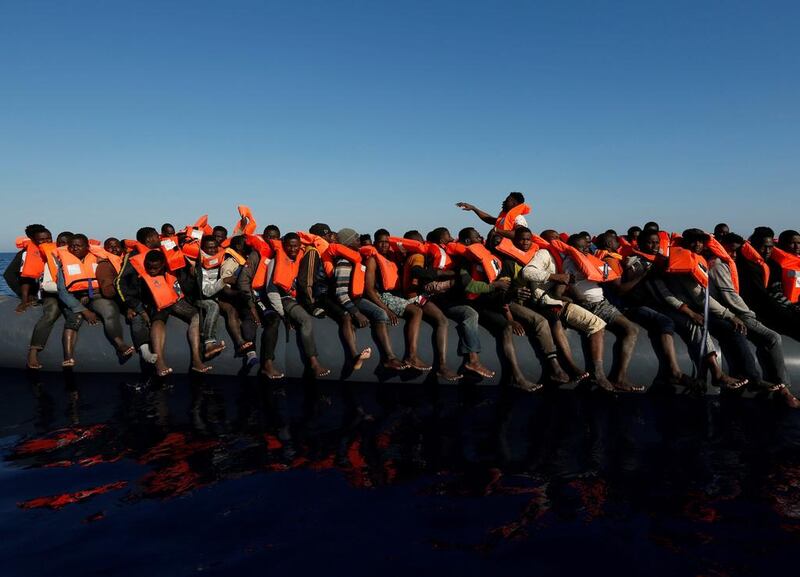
[684, 261]
[719, 251]
[199, 228]
[175, 256]
[209, 262]
[285, 272]
[664, 243]
[50, 252]
[33, 265]
[22, 242]
[441, 256]
[593, 268]
[386, 268]
[751, 254]
[78, 275]
[164, 289]
[505, 221]
[790, 275]
[488, 265]
[408, 245]
[555, 252]
[612, 259]
[101, 253]
[250, 227]
[507, 248]
[266, 253]
[229, 252]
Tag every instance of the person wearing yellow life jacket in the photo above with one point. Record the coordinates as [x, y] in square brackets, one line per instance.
[724, 286]
[80, 297]
[761, 281]
[345, 304]
[129, 287]
[516, 255]
[680, 291]
[160, 297]
[512, 214]
[382, 287]
[590, 272]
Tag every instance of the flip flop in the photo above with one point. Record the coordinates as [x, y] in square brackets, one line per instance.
[244, 347]
[202, 371]
[324, 373]
[271, 377]
[68, 363]
[33, 367]
[485, 373]
[165, 372]
[451, 379]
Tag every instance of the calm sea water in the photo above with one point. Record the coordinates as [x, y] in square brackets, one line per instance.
[104, 475]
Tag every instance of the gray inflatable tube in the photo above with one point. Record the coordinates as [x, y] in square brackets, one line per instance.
[94, 354]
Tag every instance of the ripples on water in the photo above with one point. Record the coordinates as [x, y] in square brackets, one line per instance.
[106, 476]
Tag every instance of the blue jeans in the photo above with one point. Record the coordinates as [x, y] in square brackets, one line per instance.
[466, 318]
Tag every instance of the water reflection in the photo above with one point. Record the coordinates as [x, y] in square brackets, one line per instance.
[696, 477]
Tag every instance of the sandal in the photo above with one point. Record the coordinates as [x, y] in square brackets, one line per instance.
[68, 363]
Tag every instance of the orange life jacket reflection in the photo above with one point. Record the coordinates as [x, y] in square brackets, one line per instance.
[387, 269]
[790, 273]
[79, 275]
[507, 247]
[164, 289]
[684, 261]
[749, 253]
[505, 221]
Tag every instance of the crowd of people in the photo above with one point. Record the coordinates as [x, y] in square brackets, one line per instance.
[717, 292]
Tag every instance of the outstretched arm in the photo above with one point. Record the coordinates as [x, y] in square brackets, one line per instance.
[484, 216]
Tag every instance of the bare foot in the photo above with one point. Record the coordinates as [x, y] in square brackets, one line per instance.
[526, 385]
[394, 364]
[479, 369]
[269, 371]
[33, 359]
[448, 374]
[162, 370]
[358, 361]
[213, 348]
[416, 363]
[201, 368]
[601, 381]
[791, 401]
[68, 363]
[626, 386]
[559, 376]
[319, 370]
[730, 383]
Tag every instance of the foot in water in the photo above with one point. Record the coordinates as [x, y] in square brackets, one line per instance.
[359, 359]
[448, 374]
[416, 363]
[478, 368]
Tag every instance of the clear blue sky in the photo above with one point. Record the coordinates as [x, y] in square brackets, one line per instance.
[367, 114]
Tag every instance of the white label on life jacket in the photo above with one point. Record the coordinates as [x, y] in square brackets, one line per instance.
[73, 269]
[212, 262]
[168, 244]
[197, 233]
[797, 282]
[363, 268]
[442, 257]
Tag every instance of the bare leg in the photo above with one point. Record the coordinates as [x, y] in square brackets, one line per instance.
[388, 358]
[233, 324]
[596, 342]
[413, 316]
[158, 337]
[193, 336]
[68, 340]
[562, 344]
[627, 332]
[33, 358]
[440, 327]
[719, 377]
[510, 352]
[347, 333]
[317, 368]
[668, 346]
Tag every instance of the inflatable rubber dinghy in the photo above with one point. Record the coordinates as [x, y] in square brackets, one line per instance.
[93, 353]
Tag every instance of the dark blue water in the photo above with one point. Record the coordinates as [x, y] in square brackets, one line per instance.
[233, 477]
